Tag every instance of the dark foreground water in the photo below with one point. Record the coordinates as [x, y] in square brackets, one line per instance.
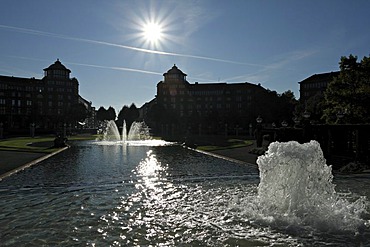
[104, 194]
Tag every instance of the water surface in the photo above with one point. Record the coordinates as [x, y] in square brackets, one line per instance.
[98, 194]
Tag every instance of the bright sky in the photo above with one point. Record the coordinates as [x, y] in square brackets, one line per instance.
[118, 50]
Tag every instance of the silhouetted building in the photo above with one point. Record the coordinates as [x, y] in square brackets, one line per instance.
[45, 103]
[91, 121]
[315, 84]
[207, 107]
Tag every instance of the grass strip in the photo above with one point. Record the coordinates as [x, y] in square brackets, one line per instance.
[230, 144]
[40, 144]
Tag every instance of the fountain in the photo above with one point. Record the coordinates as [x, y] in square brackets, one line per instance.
[296, 187]
[113, 194]
[124, 132]
[111, 132]
[138, 131]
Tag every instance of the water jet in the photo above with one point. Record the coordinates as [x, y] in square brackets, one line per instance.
[138, 131]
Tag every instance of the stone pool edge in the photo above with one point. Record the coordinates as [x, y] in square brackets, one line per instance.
[225, 157]
[29, 164]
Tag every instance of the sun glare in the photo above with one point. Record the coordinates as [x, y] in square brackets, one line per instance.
[152, 26]
[152, 32]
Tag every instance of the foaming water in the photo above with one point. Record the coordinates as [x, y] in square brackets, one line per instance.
[125, 195]
[296, 188]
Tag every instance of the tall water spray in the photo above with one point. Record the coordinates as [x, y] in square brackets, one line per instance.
[111, 132]
[138, 131]
[296, 187]
[124, 132]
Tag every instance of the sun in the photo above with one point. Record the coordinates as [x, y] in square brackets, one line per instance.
[152, 32]
[151, 27]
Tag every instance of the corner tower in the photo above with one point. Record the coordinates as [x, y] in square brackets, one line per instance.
[57, 71]
[175, 75]
[172, 92]
[61, 91]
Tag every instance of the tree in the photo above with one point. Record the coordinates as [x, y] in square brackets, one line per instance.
[111, 113]
[102, 114]
[274, 107]
[314, 106]
[129, 114]
[347, 98]
[122, 115]
[77, 112]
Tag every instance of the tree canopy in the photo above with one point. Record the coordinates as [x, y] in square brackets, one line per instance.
[106, 114]
[129, 114]
[347, 98]
[77, 112]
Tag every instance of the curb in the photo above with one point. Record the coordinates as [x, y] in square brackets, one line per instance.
[18, 169]
[223, 157]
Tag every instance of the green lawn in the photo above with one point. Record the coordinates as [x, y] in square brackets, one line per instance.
[42, 144]
[231, 143]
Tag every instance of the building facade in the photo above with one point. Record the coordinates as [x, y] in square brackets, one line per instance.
[91, 121]
[44, 103]
[211, 107]
[315, 85]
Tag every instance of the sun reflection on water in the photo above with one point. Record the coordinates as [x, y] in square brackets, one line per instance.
[150, 167]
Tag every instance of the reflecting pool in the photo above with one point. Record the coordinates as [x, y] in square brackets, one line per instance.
[104, 193]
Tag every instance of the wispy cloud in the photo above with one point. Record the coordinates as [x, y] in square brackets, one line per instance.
[94, 66]
[116, 68]
[194, 16]
[281, 62]
[97, 42]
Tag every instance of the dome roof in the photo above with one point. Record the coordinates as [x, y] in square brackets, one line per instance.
[57, 66]
[174, 70]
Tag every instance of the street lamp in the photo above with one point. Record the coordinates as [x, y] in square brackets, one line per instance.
[64, 130]
[340, 115]
[306, 114]
[259, 132]
[32, 130]
[296, 121]
[1, 130]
